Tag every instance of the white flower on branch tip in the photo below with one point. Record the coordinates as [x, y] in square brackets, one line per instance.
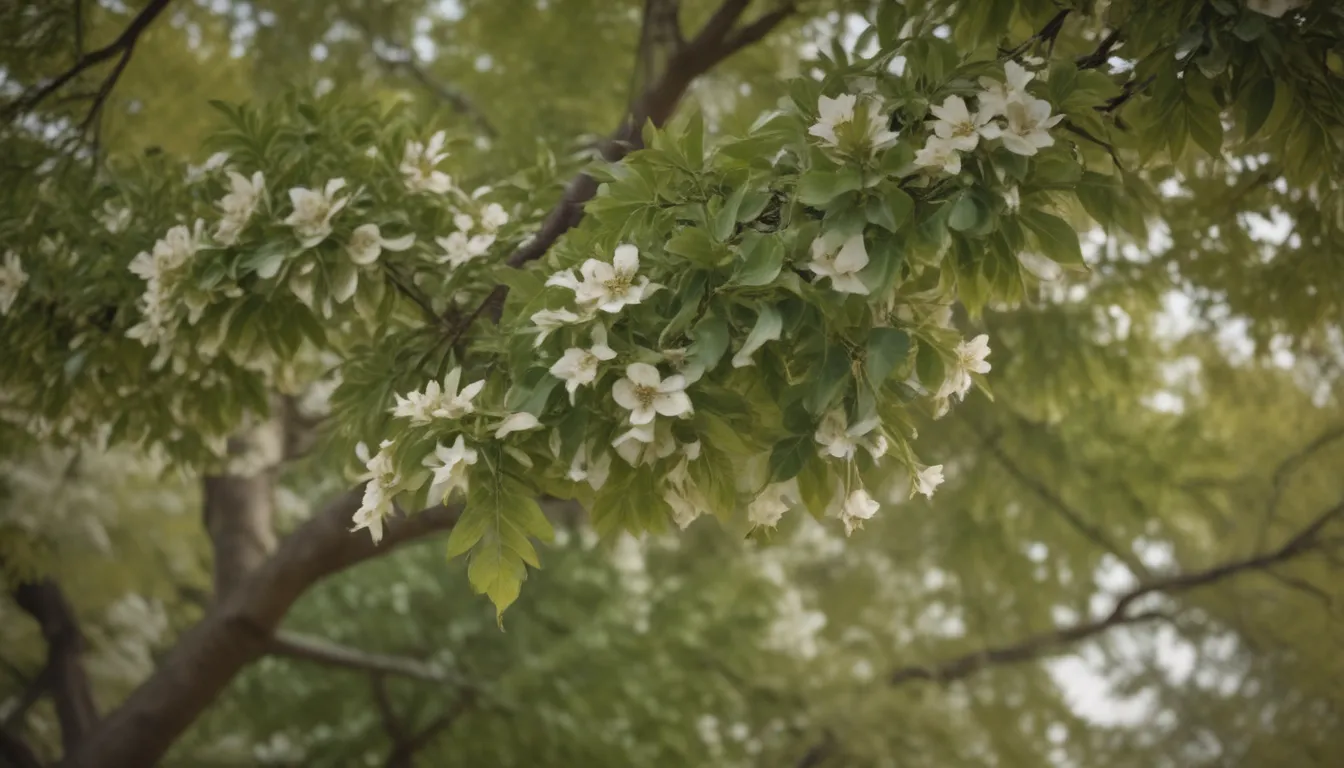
[645, 444]
[516, 422]
[418, 166]
[458, 249]
[450, 465]
[381, 478]
[939, 153]
[840, 262]
[367, 244]
[996, 96]
[548, 320]
[1029, 124]
[170, 252]
[927, 480]
[832, 113]
[578, 366]
[646, 394]
[609, 287]
[463, 222]
[970, 358]
[857, 507]
[12, 279]
[958, 127]
[771, 503]
[1274, 8]
[590, 468]
[438, 402]
[314, 210]
[238, 205]
[213, 163]
[841, 441]
[494, 217]
[115, 218]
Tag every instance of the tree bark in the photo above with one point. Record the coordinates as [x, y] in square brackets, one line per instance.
[64, 673]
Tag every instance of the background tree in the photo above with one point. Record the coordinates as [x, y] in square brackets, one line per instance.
[1150, 488]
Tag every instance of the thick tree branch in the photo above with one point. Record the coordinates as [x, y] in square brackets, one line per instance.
[716, 41]
[238, 511]
[123, 46]
[318, 650]
[64, 672]
[238, 630]
[15, 752]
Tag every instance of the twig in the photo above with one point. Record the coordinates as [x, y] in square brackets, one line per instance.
[455, 98]
[415, 296]
[1284, 473]
[124, 42]
[1102, 54]
[297, 646]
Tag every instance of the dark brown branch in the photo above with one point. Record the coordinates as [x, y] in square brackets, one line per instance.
[238, 630]
[1037, 646]
[1284, 472]
[396, 733]
[1102, 54]
[716, 41]
[66, 679]
[16, 753]
[297, 646]
[123, 45]
[453, 97]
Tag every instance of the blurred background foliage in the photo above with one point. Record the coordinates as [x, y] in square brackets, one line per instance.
[1174, 408]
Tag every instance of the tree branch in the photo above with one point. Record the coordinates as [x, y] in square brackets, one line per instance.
[453, 97]
[238, 630]
[66, 679]
[123, 45]
[318, 650]
[16, 753]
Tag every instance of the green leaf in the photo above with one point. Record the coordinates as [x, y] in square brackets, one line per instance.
[827, 379]
[788, 457]
[929, 367]
[818, 187]
[711, 337]
[761, 265]
[694, 245]
[469, 529]
[887, 348]
[890, 210]
[967, 214]
[815, 485]
[498, 573]
[725, 220]
[1057, 240]
[1259, 102]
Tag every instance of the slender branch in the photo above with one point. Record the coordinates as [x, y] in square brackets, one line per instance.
[122, 45]
[1036, 646]
[1076, 519]
[453, 97]
[318, 650]
[1102, 54]
[15, 752]
[1287, 468]
[383, 702]
[67, 681]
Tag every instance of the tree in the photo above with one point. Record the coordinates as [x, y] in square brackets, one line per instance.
[702, 313]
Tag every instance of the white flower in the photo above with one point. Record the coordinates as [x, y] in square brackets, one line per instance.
[996, 96]
[548, 320]
[418, 166]
[857, 507]
[458, 249]
[463, 222]
[768, 326]
[770, 504]
[833, 113]
[938, 153]
[1029, 124]
[841, 441]
[12, 278]
[958, 127]
[314, 210]
[1274, 8]
[646, 394]
[115, 218]
[516, 422]
[585, 468]
[683, 495]
[239, 205]
[437, 402]
[1012, 199]
[564, 279]
[645, 444]
[578, 366]
[927, 480]
[493, 217]
[170, 252]
[367, 244]
[213, 163]
[841, 263]
[970, 359]
[609, 287]
[382, 479]
[450, 468]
